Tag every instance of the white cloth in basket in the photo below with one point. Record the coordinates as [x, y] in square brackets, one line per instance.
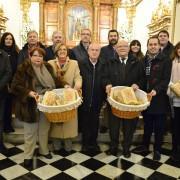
[61, 108]
[124, 107]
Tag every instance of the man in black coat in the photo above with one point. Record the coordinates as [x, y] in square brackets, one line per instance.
[79, 52]
[5, 77]
[167, 47]
[158, 71]
[108, 52]
[57, 37]
[126, 70]
[32, 42]
[93, 94]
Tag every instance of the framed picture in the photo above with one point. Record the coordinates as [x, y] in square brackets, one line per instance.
[78, 18]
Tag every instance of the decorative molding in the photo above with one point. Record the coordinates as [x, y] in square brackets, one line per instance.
[161, 18]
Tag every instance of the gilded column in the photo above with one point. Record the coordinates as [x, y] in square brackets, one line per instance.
[41, 21]
[61, 16]
[96, 4]
[25, 5]
[115, 15]
[130, 11]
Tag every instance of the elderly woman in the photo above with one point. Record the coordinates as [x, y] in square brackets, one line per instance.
[33, 78]
[68, 70]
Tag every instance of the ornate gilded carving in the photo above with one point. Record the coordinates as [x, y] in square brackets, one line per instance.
[161, 18]
[3, 20]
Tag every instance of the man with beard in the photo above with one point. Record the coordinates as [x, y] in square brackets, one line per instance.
[108, 52]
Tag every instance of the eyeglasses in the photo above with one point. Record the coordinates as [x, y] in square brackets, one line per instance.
[125, 46]
[35, 55]
[85, 34]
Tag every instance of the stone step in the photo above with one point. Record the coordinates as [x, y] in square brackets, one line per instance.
[17, 137]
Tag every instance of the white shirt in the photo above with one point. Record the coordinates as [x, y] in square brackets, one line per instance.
[125, 61]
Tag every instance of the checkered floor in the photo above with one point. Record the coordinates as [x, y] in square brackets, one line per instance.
[88, 166]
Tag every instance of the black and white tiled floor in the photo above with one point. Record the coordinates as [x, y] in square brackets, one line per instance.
[88, 166]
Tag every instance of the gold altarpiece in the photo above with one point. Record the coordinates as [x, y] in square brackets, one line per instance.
[70, 16]
[3, 20]
[163, 18]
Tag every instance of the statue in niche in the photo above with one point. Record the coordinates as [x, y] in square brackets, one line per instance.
[78, 19]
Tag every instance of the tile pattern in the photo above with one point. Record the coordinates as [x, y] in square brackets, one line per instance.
[88, 166]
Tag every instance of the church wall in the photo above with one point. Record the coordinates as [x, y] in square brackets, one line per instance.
[177, 25]
[142, 19]
[14, 15]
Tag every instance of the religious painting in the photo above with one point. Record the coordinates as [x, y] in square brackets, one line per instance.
[78, 19]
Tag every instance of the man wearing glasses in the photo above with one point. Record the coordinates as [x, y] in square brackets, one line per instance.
[79, 52]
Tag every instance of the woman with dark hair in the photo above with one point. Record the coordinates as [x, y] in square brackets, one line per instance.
[32, 78]
[175, 76]
[135, 49]
[8, 44]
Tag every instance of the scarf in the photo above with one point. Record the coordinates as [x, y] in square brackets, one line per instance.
[61, 69]
[175, 74]
[44, 77]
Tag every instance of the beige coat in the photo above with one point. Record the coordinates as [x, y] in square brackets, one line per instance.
[71, 74]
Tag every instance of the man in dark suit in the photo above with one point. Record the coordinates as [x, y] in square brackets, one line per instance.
[125, 70]
[167, 47]
[79, 52]
[158, 71]
[57, 37]
[93, 94]
[108, 52]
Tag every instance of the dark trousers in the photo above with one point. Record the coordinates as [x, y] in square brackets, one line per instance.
[90, 126]
[8, 112]
[2, 103]
[128, 128]
[154, 123]
[176, 129]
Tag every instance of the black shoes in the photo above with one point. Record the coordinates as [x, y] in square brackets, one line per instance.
[47, 156]
[9, 130]
[28, 163]
[3, 150]
[112, 151]
[156, 156]
[127, 154]
[141, 149]
[103, 129]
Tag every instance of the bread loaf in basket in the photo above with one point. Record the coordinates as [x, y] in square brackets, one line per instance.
[175, 88]
[59, 105]
[130, 108]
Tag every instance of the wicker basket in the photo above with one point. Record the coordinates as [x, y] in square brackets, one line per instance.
[125, 114]
[61, 116]
[63, 113]
[128, 111]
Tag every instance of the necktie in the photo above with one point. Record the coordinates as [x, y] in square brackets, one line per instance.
[123, 69]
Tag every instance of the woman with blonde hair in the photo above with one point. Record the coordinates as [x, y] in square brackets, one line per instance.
[68, 70]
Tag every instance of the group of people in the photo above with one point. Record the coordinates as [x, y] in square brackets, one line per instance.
[28, 73]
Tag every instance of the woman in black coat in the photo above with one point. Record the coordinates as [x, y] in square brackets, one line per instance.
[8, 44]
